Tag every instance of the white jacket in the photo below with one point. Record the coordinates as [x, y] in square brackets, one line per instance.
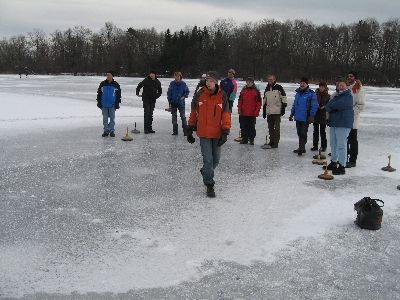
[358, 102]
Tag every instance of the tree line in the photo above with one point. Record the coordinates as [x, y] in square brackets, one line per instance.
[290, 49]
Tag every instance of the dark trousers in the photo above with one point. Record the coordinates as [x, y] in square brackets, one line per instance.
[148, 114]
[302, 129]
[230, 105]
[248, 127]
[319, 129]
[174, 112]
[274, 128]
[352, 146]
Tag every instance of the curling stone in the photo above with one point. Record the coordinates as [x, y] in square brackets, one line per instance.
[319, 160]
[388, 168]
[325, 175]
[135, 131]
[127, 138]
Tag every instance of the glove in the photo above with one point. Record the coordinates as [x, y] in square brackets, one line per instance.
[310, 119]
[99, 104]
[224, 137]
[190, 137]
[282, 111]
[116, 105]
[291, 118]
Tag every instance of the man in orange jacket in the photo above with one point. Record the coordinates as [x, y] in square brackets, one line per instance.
[211, 118]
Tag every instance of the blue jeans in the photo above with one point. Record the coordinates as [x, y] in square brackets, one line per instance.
[338, 140]
[211, 154]
[108, 113]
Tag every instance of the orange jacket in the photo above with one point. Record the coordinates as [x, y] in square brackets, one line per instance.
[210, 113]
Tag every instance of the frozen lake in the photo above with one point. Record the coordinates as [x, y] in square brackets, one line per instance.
[83, 217]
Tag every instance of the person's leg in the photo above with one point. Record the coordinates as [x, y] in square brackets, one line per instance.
[174, 120]
[252, 128]
[216, 154]
[298, 128]
[333, 142]
[230, 105]
[152, 106]
[353, 146]
[111, 114]
[303, 136]
[146, 109]
[208, 161]
[315, 135]
[341, 139]
[271, 129]
[183, 119]
[277, 129]
[323, 137]
[105, 119]
[243, 129]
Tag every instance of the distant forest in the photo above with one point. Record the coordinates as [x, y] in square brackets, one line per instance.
[290, 49]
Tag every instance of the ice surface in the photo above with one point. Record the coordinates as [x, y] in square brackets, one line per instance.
[80, 214]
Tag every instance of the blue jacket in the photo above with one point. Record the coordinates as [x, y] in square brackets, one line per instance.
[109, 94]
[176, 91]
[340, 109]
[305, 104]
[229, 86]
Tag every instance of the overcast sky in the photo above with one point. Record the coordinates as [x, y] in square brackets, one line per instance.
[21, 16]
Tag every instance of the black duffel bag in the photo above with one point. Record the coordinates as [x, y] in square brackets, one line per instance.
[369, 213]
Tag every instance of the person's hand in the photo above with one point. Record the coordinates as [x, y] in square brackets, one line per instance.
[282, 111]
[291, 118]
[190, 137]
[116, 105]
[99, 104]
[224, 137]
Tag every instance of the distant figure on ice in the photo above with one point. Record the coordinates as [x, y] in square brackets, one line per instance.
[177, 93]
[319, 124]
[303, 111]
[151, 92]
[210, 116]
[249, 106]
[358, 93]
[108, 100]
[275, 102]
[229, 86]
[341, 118]
[201, 83]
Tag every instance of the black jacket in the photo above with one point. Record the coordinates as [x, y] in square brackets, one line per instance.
[151, 89]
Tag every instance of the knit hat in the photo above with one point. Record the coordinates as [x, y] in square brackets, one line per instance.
[353, 73]
[204, 76]
[322, 83]
[232, 71]
[304, 79]
[213, 75]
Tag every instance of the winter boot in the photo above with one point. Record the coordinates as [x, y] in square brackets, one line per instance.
[251, 142]
[112, 134]
[339, 170]
[266, 146]
[314, 148]
[351, 164]
[330, 167]
[104, 134]
[243, 142]
[210, 191]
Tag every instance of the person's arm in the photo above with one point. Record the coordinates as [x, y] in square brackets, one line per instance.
[139, 87]
[159, 89]
[193, 112]
[226, 115]
[232, 96]
[340, 103]
[258, 104]
[283, 97]
[360, 104]
[169, 93]
[99, 94]
[186, 91]
[314, 105]
[240, 103]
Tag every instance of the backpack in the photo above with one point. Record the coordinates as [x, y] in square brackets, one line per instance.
[369, 213]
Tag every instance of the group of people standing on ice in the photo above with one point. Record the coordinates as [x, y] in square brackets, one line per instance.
[211, 109]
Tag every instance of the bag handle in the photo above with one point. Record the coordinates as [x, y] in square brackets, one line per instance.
[378, 200]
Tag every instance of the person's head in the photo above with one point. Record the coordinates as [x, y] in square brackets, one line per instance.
[341, 84]
[178, 76]
[110, 76]
[231, 73]
[271, 79]
[152, 75]
[249, 81]
[322, 86]
[303, 83]
[351, 77]
[203, 76]
[212, 80]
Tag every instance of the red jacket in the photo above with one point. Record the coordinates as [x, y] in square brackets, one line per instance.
[210, 113]
[249, 102]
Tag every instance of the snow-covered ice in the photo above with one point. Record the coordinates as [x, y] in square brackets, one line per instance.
[83, 217]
